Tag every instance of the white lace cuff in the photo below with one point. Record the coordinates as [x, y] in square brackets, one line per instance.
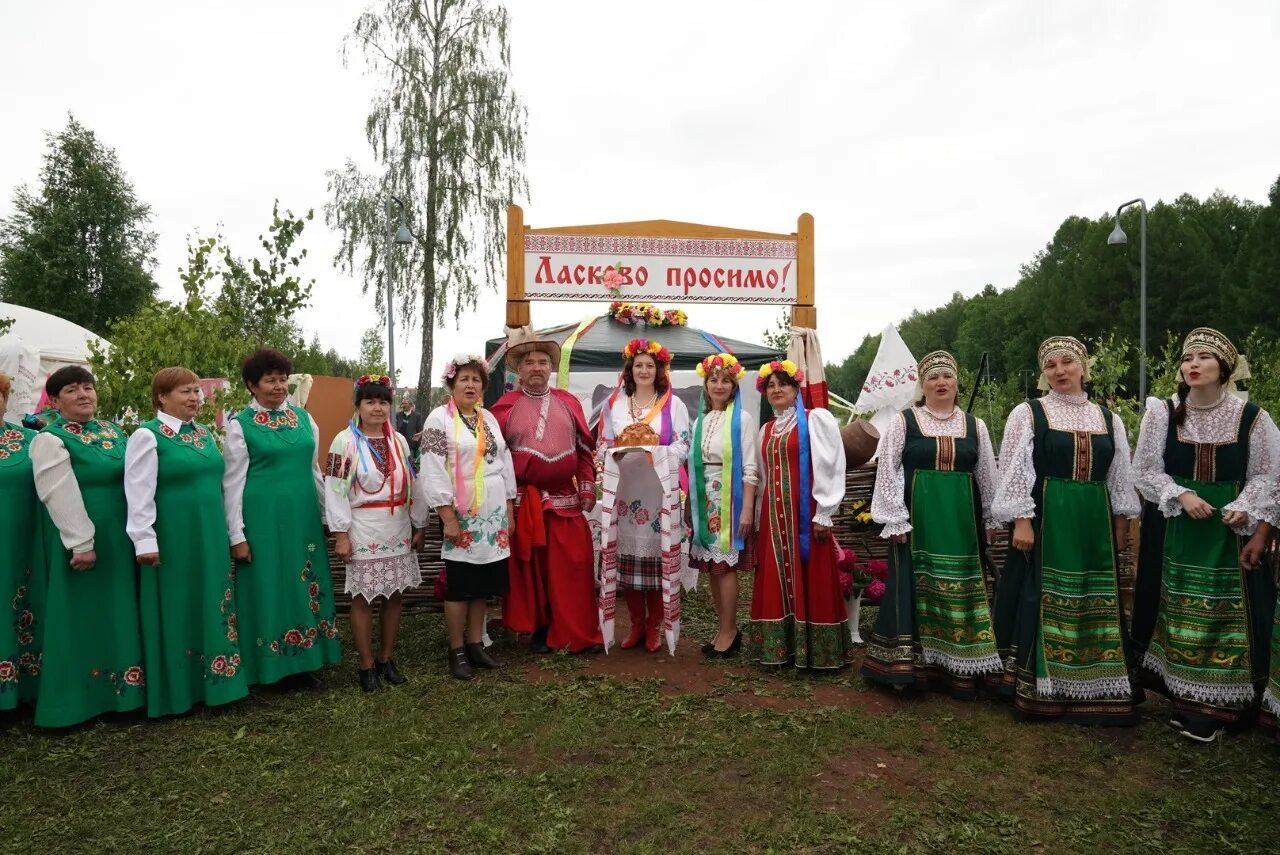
[822, 519]
[895, 528]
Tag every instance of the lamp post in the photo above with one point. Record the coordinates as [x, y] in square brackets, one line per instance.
[401, 237]
[1118, 236]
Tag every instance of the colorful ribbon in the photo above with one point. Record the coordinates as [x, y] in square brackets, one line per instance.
[566, 351]
[477, 468]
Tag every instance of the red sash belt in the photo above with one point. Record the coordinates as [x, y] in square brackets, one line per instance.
[531, 529]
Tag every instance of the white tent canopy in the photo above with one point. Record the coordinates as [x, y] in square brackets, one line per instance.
[35, 346]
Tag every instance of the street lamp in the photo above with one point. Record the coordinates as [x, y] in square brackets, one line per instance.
[1118, 236]
[401, 238]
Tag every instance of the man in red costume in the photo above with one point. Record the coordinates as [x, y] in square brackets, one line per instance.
[551, 592]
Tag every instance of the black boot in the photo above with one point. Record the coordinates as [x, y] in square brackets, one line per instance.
[480, 657]
[369, 679]
[388, 671]
[538, 644]
[458, 664]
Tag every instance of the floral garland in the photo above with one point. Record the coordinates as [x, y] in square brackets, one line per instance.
[786, 366]
[460, 359]
[721, 362]
[380, 379]
[646, 313]
[649, 346]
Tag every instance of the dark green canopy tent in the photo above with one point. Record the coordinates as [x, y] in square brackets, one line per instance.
[598, 350]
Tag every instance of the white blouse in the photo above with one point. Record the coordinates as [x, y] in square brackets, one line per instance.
[888, 501]
[681, 437]
[235, 453]
[374, 486]
[1013, 499]
[489, 525]
[1217, 424]
[826, 452]
[58, 489]
[141, 469]
[714, 424]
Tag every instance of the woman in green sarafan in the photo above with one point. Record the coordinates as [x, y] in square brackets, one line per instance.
[173, 483]
[934, 485]
[1205, 462]
[92, 647]
[274, 495]
[1066, 485]
[21, 550]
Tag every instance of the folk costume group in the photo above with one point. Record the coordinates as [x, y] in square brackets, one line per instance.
[1055, 640]
[166, 571]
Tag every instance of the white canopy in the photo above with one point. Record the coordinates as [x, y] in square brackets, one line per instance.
[35, 346]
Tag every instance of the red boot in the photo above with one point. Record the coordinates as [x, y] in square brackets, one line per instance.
[653, 626]
[635, 610]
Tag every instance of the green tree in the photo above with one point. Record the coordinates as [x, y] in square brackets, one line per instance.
[78, 247]
[230, 307]
[373, 354]
[447, 132]
[5, 323]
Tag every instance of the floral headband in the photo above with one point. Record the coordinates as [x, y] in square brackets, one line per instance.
[460, 359]
[721, 363]
[379, 379]
[643, 345]
[786, 366]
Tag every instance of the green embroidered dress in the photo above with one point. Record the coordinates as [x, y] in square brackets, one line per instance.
[21, 550]
[92, 647]
[1059, 624]
[273, 494]
[934, 628]
[173, 482]
[1201, 624]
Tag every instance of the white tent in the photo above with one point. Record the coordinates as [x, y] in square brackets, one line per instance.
[34, 347]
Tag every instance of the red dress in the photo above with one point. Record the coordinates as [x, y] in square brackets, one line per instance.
[551, 574]
[797, 612]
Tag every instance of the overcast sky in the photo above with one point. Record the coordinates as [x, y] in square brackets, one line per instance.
[938, 145]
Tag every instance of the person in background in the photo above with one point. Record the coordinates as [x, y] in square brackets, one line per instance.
[274, 500]
[92, 644]
[409, 426]
[173, 484]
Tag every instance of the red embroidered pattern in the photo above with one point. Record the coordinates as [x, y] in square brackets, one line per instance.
[281, 420]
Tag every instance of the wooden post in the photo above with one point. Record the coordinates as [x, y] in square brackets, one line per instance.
[517, 305]
[804, 313]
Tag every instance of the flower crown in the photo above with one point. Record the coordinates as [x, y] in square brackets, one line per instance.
[644, 345]
[647, 313]
[460, 359]
[725, 363]
[786, 366]
[380, 379]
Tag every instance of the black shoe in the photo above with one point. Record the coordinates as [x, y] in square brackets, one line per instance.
[733, 648]
[369, 679]
[709, 648]
[1203, 731]
[593, 649]
[458, 664]
[480, 657]
[388, 671]
[538, 644]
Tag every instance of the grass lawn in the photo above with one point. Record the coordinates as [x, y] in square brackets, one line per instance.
[634, 753]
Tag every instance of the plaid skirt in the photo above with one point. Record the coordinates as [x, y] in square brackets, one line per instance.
[639, 574]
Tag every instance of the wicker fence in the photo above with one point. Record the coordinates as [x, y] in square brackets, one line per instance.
[862, 538]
